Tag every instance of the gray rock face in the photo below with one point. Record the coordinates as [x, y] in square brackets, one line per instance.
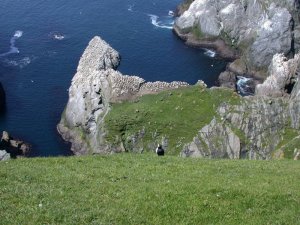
[274, 36]
[227, 79]
[251, 130]
[215, 140]
[259, 28]
[95, 85]
[4, 156]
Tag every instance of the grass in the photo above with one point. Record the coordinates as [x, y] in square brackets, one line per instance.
[173, 115]
[144, 189]
[196, 31]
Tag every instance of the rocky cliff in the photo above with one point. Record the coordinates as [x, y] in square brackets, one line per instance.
[94, 87]
[251, 30]
[264, 126]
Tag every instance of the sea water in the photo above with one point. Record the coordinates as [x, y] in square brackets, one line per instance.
[41, 42]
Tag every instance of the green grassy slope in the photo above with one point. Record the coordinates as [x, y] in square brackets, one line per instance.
[146, 189]
[176, 115]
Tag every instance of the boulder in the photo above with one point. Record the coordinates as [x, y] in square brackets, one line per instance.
[13, 146]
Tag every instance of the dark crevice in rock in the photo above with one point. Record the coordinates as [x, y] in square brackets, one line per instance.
[292, 50]
[289, 87]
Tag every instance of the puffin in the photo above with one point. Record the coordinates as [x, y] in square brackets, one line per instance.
[159, 150]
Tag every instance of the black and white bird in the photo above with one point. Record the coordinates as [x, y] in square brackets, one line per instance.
[159, 150]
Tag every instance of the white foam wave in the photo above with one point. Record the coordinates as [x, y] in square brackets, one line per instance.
[171, 13]
[13, 49]
[210, 53]
[17, 63]
[160, 24]
[130, 8]
[244, 86]
[59, 37]
[18, 34]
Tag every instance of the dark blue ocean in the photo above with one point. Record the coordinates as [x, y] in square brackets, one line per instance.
[41, 42]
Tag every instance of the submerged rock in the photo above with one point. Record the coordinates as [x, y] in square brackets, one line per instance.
[94, 87]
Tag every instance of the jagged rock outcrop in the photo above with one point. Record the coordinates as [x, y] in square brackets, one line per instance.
[282, 73]
[14, 147]
[2, 98]
[257, 29]
[94, 87]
